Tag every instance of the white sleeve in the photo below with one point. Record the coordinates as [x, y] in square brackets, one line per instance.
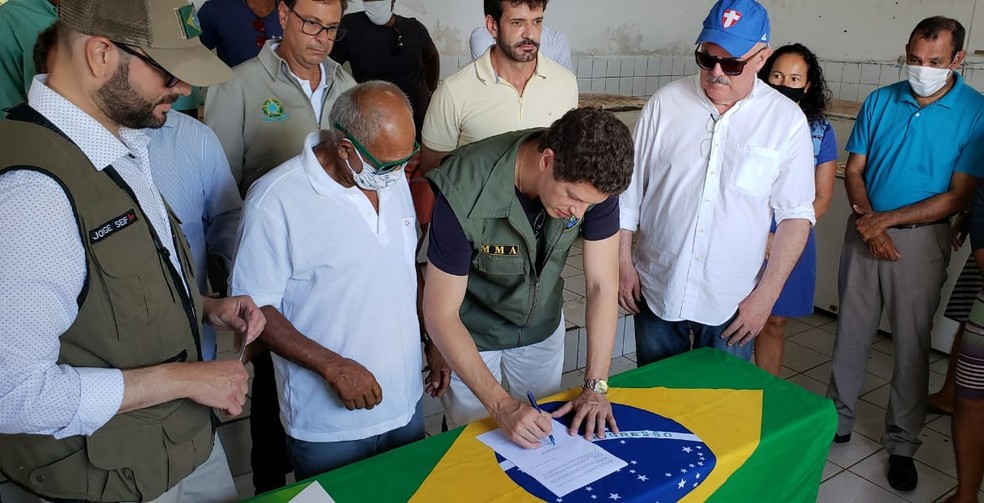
[43, 272]
[631, 201]
[795, 187]
[262, 266]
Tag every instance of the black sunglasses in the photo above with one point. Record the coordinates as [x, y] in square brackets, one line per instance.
[169, 79]
[730, 66]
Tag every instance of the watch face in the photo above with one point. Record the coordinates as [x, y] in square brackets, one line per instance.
[601, 386]
[597, 385]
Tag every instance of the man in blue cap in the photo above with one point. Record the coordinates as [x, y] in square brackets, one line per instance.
[717, 154]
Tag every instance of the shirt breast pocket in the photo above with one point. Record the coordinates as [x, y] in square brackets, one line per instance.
[755, 169]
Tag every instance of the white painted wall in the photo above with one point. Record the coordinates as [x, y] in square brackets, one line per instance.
[854, 30]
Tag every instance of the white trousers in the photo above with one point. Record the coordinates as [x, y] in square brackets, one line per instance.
[535, 368]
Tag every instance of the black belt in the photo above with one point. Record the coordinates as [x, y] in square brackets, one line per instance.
[916, 226]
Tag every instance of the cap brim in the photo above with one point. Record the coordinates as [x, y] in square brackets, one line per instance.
[736, 47]
[196, 65]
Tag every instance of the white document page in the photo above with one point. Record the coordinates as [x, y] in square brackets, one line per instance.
[313, 493]
[573, 463]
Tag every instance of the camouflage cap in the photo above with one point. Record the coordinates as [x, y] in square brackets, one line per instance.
[167, 30]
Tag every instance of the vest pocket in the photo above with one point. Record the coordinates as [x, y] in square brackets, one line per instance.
[501, 265]
[132, 461]
[124, 277]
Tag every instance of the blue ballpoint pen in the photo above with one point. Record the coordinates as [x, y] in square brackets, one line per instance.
[529, 394]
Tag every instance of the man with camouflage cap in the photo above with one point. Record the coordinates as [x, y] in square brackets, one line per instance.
[103, 394]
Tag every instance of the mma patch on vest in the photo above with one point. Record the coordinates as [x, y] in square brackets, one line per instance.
[500, 249]
[109, 228]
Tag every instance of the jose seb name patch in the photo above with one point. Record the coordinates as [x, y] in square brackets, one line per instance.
[109, 228]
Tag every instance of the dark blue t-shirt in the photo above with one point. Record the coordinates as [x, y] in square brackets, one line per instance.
[450, 251]
[234, 30]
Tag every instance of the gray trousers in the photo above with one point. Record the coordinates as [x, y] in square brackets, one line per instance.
[909, 290]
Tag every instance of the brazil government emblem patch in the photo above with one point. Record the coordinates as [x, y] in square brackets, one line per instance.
[273, 110]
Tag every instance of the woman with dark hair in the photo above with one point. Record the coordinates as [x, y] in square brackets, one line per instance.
[794, 71]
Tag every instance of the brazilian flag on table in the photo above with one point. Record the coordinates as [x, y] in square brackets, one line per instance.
[703, 426]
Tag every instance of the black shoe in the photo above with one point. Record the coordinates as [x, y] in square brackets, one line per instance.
[842, 439]
[902, 474]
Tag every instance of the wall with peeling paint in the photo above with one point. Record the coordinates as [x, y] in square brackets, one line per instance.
[856, 30]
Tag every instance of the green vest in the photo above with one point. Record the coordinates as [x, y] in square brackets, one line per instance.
[134, 312]
[509, 303]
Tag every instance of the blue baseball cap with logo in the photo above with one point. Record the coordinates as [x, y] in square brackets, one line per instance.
[736, 26]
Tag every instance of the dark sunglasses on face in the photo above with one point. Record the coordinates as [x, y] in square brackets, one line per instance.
[169, 79]
[730, 66]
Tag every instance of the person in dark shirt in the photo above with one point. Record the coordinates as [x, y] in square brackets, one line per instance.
[237, 29]
[380, 45]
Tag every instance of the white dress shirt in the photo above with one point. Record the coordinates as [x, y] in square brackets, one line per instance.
[43, 271]
[553, 43]
[345, 277]
[704, 192]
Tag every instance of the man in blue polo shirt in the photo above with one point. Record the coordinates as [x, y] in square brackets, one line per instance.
[916, 156]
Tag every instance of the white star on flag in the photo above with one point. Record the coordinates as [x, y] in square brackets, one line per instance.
[688, 450]
[621, 442]
[698, 475]
[668, 474]
[634, 462]
[681, 484]
[692, 465]
[594, 497]
[631, 471]
[613, 496]
[683, 470]
[642, 477]
[589, 489]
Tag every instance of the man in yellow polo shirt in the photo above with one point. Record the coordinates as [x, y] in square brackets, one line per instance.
[510, 87]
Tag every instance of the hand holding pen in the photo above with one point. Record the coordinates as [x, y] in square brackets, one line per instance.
[529, 394]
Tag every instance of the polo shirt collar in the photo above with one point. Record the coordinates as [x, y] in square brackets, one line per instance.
[275, 65]
[500, 184]
[320, 180]
[949, 100]
[485, 72]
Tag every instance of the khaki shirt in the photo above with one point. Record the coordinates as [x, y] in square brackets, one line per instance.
[474, 103]
[261, 115]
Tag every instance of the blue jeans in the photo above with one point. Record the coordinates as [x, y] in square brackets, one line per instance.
[314, 458]
[657, 338]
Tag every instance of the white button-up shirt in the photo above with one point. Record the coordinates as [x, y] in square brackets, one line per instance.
[345, 277]
[42, 273]
[704, 192]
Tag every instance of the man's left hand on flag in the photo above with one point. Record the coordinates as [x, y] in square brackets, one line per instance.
[594, 410]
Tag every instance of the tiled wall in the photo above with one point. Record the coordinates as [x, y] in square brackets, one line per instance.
[642, 75]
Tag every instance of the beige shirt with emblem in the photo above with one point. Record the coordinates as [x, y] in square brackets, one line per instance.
[261, 115]
[474, 103]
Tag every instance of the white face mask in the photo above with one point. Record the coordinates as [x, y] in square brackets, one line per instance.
[368, 179]
[926, 81]
[379, 12]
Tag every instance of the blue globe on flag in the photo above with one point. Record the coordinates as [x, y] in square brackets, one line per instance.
[666, 461]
